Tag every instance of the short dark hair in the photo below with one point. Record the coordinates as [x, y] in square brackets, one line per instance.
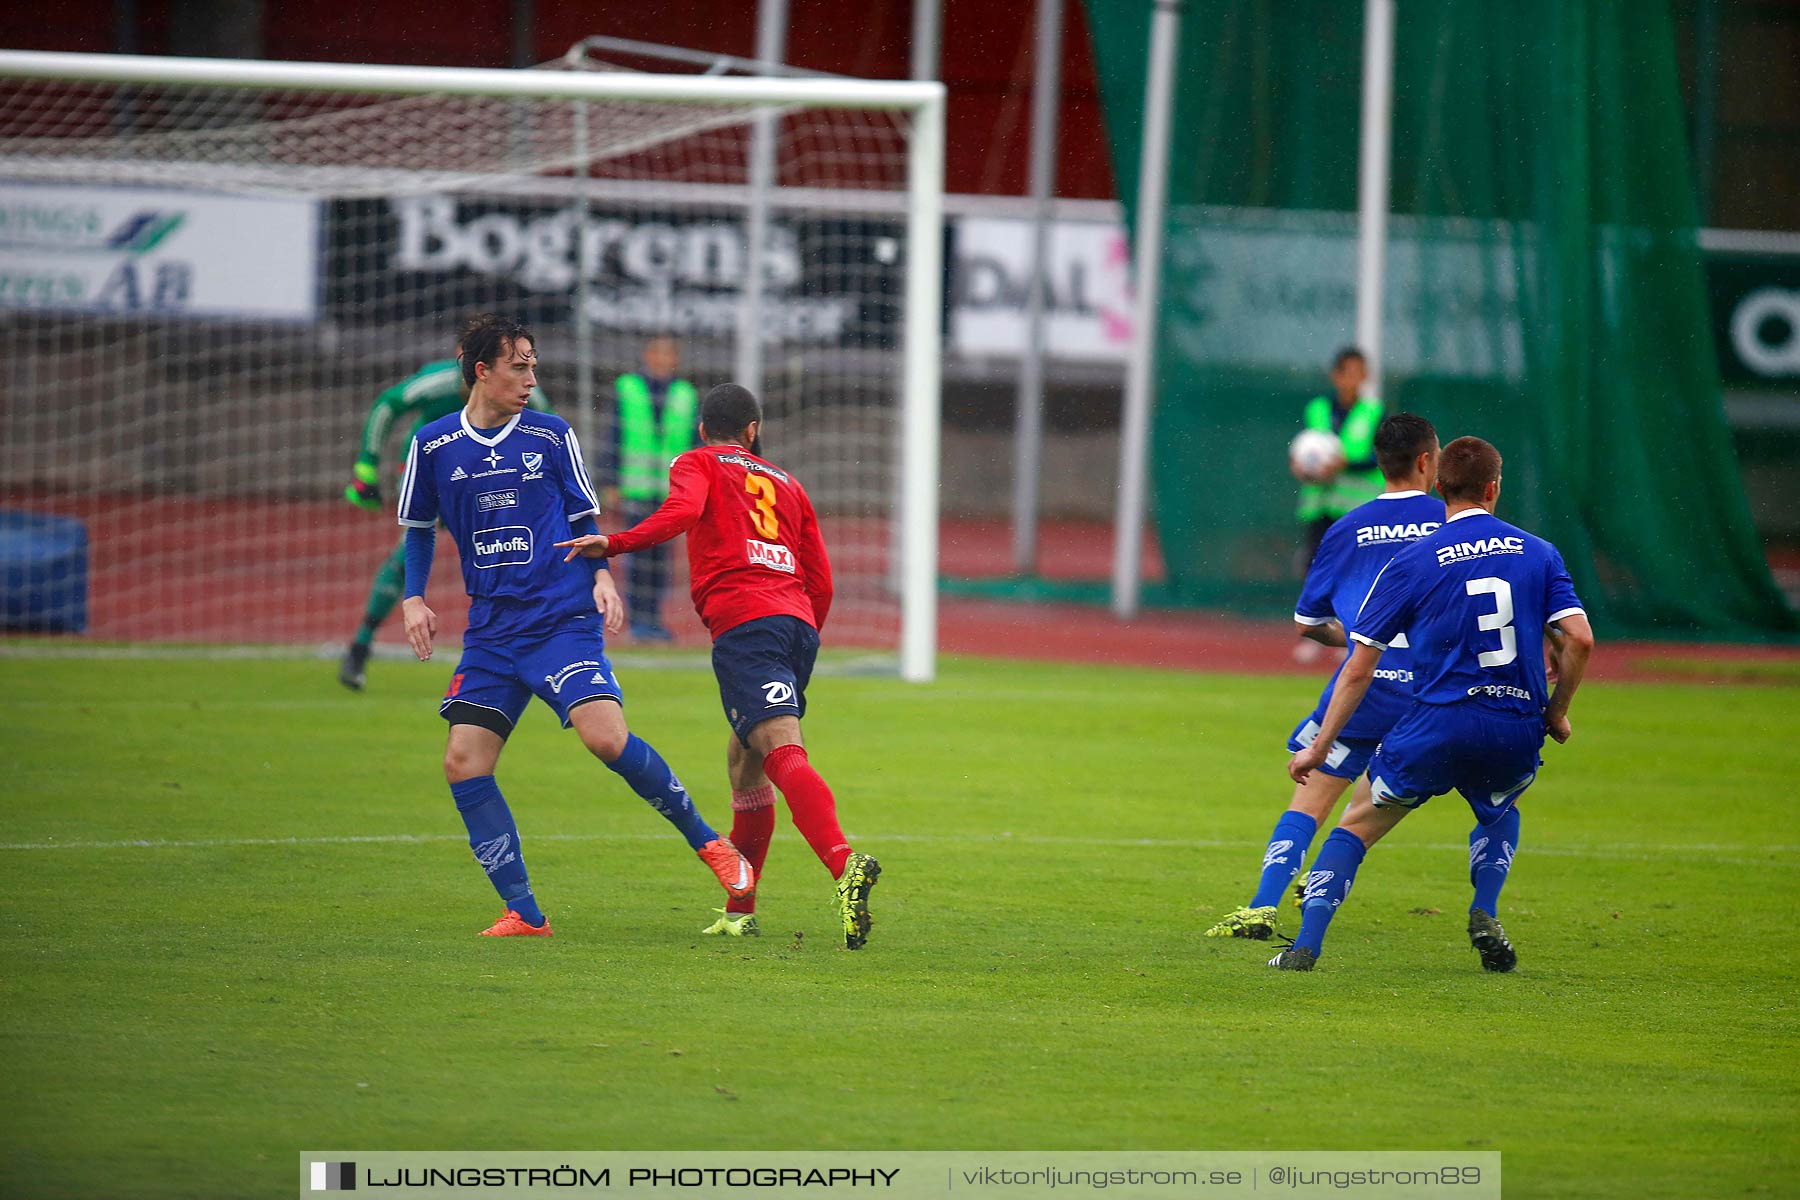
[471, 324]
[727, 411]
[486, 337]
[1466, 467]
[1346, 354]
[1399, 440]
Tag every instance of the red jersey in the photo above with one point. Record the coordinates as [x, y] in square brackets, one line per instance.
[754, 548]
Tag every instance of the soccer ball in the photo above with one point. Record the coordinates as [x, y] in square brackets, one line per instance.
[1315, 455]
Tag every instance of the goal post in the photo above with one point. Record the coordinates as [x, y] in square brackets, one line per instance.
[210, 268]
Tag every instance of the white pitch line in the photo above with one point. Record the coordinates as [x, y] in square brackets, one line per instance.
[1751, 855]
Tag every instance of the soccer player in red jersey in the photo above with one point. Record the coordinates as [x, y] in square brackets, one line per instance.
[762, 584]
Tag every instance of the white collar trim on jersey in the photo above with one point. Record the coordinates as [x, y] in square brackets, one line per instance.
[1469, 512]
[505, 429]
[1400, 495]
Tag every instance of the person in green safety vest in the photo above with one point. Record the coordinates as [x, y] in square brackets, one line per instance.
[1353, 417]
[1357, 480]
[434, 390]
[658, 414]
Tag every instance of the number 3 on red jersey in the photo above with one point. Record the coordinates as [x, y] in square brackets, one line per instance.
[763, 515]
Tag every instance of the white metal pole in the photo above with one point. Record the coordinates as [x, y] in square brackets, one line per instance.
[771, 47]
[922, 348]
[927, 37]
[1028, 428]
[1372, 183]
[1152, 205]
[585, 411]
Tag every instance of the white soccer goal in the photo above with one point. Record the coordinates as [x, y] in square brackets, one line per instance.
[209, 269]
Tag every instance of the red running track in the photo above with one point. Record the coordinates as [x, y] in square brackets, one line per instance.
[298, 572]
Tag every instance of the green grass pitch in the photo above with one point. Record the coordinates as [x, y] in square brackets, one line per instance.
[296, 967]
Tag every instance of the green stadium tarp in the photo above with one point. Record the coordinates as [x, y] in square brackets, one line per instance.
[1544, 288]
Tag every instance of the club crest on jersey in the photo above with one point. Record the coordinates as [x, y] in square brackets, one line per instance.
[774, 557]
[534, 465]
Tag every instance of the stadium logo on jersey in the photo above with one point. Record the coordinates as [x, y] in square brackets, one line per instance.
[1377, 535]
[1464, 551]
[457, 474]
[493, 855]
[563, 676]
[534, 465]
[489, 501]
[777, 692]
[507, 545]
[774, 557]
[441, 440]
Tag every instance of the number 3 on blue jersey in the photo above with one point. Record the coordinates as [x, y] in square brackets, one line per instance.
[1500, 619]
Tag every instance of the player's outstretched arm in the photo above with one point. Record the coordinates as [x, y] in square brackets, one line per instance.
[586, 545]
[1348, 692]
[364, 489]
[1571, 665]
[688, 487]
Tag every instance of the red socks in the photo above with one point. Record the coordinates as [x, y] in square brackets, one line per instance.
[752, 825]
[811, 802]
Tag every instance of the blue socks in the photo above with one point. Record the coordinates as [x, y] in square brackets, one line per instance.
[494, 838]
[1332, 873]
[1284, 857]
[649, 776]
[1491, 850]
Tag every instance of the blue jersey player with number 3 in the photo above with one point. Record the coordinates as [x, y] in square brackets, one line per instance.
[508, 484]
[1472, 599]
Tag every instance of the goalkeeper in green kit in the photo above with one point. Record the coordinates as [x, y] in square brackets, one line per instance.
[434, 390]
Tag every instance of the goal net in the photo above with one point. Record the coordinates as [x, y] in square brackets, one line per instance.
[209, 271]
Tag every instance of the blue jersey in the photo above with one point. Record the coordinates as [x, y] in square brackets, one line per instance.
[1355, 549]
[506, 496]
[1473, 599]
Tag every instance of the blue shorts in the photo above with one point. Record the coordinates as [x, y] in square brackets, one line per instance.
[1490, 757]
[494, 683]
[763, 668]
[1348, 757]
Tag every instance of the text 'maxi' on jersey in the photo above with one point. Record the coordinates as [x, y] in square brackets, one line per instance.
[1473, 599]
[754, 548]
[1354, 550]
[507, 496]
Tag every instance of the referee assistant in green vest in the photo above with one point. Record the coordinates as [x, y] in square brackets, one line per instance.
[658, 413]
[1353, 417]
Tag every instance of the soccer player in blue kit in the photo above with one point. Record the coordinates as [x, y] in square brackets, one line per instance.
[1353, 551]
[1465, 597]
[508, 484]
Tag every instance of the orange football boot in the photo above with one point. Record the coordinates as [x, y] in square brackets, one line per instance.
[513, 925]
[732, 868]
